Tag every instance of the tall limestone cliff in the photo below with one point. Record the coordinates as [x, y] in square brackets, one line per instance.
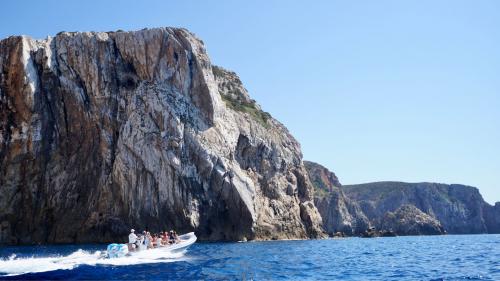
[405, 208]
[339, 213]
[459, 208]
[492, 217]
[409, 220]
[100, 132]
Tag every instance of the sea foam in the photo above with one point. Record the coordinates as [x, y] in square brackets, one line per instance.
[15, 265]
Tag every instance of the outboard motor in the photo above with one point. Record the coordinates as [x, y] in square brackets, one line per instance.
[117, 250]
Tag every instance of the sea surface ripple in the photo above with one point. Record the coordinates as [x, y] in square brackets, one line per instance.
[451, 257]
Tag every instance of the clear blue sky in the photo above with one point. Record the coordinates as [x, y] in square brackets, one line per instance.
[374, 90]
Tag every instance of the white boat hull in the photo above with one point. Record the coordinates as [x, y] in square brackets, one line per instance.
[185, 241]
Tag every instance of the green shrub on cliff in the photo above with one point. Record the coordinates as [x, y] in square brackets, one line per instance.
[248, 107]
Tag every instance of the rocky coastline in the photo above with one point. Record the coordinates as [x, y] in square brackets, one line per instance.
[398, 208]
[104, 131]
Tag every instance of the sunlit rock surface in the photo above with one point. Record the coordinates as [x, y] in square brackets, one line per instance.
[409, 220]
[339, 213]
[404, 208]
[460, 209]
[101, 132]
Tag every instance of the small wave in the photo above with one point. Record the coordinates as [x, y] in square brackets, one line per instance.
[15, 265]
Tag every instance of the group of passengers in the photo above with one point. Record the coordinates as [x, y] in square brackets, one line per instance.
[151, 241]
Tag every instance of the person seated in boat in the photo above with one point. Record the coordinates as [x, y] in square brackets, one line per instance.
[155, 241]
[146, 240]
[158, 240]
[140, 242]
[164, 238]
[150, 240]
[143, 237]
[177, 240]
[171, 237]
[132, 240]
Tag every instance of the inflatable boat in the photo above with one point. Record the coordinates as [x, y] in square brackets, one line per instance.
[122, 250]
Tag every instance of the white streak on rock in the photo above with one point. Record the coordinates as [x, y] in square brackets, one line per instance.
[31, 77]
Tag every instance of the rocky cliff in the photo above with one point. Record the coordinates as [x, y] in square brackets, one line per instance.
[339, 213]
[460, 209]
[100, 132]
[409, 220]
[492, 217]
[405, 208]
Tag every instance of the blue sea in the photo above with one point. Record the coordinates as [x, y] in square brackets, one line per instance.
[451, 257]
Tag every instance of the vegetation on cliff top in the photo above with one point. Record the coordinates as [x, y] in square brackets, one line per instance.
[235, 99]
[250, 108]
[323, 181]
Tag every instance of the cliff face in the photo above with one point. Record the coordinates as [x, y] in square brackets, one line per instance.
[100, 132]
[324, 180]
[409, 220]
[405, 208]
[492, 217]
[460, 209]
[339, 213]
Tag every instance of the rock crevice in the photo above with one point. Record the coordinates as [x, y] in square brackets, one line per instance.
[103, 131]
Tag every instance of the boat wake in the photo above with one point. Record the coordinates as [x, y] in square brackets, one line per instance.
[22, 265]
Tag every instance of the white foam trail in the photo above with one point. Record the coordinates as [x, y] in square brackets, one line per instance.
[16, 266]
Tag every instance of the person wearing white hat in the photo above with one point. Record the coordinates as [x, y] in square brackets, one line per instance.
[132, 239]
